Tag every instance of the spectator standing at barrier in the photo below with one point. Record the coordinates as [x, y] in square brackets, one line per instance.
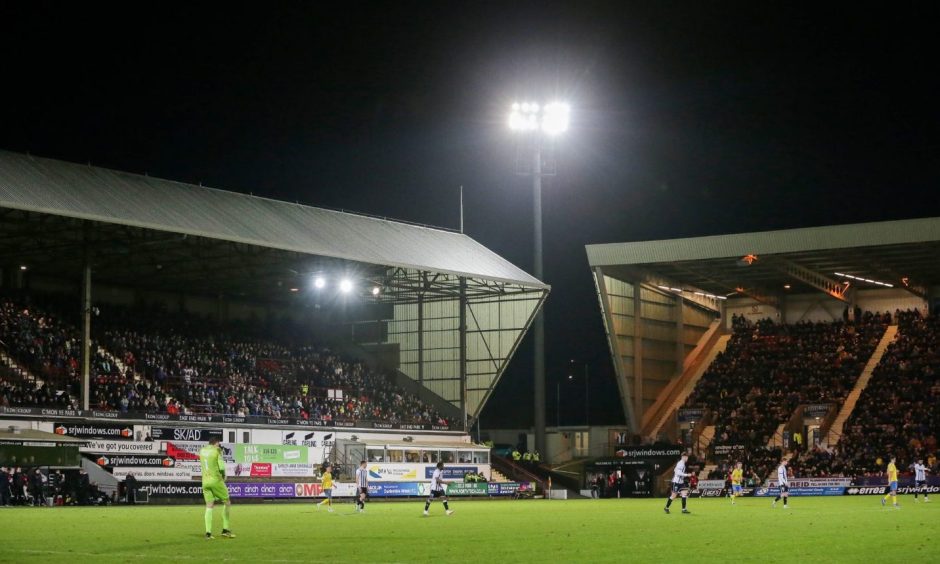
[19, 487]
[130, 489]
[37, 482]
[6, 483]
[84, 484]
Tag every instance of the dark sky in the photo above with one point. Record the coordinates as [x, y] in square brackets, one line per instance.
[689, 118]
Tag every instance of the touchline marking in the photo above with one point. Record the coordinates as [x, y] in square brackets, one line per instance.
[147, 557]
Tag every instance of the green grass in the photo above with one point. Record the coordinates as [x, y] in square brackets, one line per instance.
[834, 529]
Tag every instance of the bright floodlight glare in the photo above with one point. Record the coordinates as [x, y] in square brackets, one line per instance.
[346, 286]
[555, 118]
[551, 119]
[319, 282]
[375, 290]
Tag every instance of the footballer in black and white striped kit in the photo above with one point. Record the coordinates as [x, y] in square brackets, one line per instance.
[678, 484]
[438, 489]
[920, 479]
[783, 483]
[362, 486]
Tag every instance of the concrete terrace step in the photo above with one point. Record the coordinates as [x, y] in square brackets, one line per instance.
[835, 431]
[691, 380]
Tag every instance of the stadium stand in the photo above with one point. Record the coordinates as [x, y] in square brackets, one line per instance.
[182, 364]
[899, 411]
[769, 369]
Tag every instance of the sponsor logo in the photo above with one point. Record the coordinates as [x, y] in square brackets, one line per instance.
[392, 473]
[164, 489]
[132, 460]
[649, 452]
[307, 490]
[299, 438]
[260, 469]
[93, 431]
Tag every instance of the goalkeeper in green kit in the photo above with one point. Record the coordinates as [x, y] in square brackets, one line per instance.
[213, 485]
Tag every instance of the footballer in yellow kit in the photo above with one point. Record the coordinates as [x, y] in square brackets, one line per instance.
[737, 477]
[327, 483]
[892, 483]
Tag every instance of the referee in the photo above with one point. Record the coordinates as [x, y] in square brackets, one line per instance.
[362, 486]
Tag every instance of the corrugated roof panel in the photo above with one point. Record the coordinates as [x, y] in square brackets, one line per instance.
[74, 190]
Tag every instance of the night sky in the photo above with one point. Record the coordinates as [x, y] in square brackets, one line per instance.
[689, 118]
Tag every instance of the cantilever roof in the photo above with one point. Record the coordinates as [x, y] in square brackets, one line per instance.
[855, 235]
[896, 252]
[72, 190]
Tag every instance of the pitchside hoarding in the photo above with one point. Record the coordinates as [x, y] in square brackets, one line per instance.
[118, 460]
[273, 454]
[94, 430]
[120, 447]
[191, 434]
[47, 413]
[288, 490]
[451, 472]
[154, 474]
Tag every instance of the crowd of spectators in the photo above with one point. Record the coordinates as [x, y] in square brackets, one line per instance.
[154, 361]
[757, 463]
[898, 413]
[769, 368]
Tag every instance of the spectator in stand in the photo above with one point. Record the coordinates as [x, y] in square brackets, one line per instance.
[181, 364]
[899, 410]
[768, 369]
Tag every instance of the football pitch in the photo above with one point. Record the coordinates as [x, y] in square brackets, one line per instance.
[834, 529]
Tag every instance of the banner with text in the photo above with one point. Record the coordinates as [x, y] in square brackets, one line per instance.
[451, 472]
[193, 434]
[47, 413]
[145, 474]
[274, 454]
[120, 447]
[93, 430]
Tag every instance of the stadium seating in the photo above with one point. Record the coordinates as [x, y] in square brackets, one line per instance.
[899, 411]
[769, 369]
[180, 363]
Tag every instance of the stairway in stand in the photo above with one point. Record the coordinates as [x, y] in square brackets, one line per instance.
[18, 369]
[705, 471]
[705, 439]
[685, 385]
[835, 431]
[116, 361]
